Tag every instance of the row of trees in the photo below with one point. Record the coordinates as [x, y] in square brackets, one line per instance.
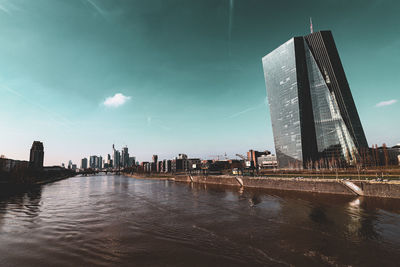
[366, 158]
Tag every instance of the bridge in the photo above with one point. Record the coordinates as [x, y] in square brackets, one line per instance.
[93, 172]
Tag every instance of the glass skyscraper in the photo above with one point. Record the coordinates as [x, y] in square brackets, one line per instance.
[312, 110]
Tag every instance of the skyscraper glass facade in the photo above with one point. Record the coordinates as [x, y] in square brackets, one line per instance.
[312, 110]
[280, 74]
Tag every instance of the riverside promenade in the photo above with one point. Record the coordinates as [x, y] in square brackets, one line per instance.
[382, 189]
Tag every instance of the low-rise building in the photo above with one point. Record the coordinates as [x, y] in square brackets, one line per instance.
[8, 165]
[267, 161]
[253, 155]
[167, 165]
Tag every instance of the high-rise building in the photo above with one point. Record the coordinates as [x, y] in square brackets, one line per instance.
[117, 159]
[109, 161]
[93, 162]
[154, 163]
[100, 162]
[312, 109]
[166, 165]
[125, 157]
[37, 155]
[132, 161]
[84, 163]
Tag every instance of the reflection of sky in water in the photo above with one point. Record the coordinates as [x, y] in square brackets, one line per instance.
[116, 220]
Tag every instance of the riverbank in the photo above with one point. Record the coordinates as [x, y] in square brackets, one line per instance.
[389, 189]
[7, 187]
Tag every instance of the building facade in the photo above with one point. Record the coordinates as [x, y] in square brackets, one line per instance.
[312, 110]
[125, 157]
[37, 155]
[93, 162]
[253, 155]
[84, 164]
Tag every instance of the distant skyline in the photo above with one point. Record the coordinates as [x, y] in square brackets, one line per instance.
[174, 76]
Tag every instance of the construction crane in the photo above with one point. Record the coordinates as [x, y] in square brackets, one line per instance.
[215, 157]
[241, 156]
[218, 157]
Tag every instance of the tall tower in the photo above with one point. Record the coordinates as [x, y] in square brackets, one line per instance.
[125, 157]
[37, 155]
[312, 109]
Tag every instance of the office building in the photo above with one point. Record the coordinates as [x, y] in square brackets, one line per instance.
[92, 162]
[84, 163]
[100, 162]
[37, 155]
[125, 157]
[253, 155]
[312, 109]
[267, 161]
[116, 158]
[166, 165]
[132, 161]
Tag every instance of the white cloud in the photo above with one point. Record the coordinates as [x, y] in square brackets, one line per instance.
[386, 103]
[116, 100]
[4, 9]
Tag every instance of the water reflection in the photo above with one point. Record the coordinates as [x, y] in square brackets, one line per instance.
[25, 205]
[317, 215]
[116, 220]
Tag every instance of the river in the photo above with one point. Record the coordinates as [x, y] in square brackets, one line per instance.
[120, 221]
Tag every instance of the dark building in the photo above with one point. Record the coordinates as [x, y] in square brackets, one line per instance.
[92, 162]
[154, 163]
[312, 109]
[166, 165]
[194, 164]
[177, 165]
[253, 155]
[84, 164]
[180, 163]
[8, 165]
[37, 155]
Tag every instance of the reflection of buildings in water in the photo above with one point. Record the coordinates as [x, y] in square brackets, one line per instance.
[33, 199]
[241, 190]
[27, 202]
[3, 208]
[318, 215]
[307, 222]
[362, 222]
[254, 200]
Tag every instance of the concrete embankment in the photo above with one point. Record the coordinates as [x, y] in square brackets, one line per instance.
[389, 189]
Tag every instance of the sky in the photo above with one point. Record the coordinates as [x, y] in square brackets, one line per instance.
[176, 76]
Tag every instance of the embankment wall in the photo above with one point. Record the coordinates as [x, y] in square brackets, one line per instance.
[328, 186]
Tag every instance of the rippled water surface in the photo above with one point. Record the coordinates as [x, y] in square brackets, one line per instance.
[121, 221]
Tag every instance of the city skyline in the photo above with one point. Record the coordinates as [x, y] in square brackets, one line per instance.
[132, 74]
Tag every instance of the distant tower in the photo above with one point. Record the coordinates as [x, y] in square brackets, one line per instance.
[155, 158]
[125, 157]
[37, 155]
[84, 165]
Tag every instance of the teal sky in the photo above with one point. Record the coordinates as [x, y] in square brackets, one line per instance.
[190, 70]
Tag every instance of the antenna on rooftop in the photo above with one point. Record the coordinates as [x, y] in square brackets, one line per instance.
[311, 28]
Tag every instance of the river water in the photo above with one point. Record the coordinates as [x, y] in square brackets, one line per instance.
[121, 221]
